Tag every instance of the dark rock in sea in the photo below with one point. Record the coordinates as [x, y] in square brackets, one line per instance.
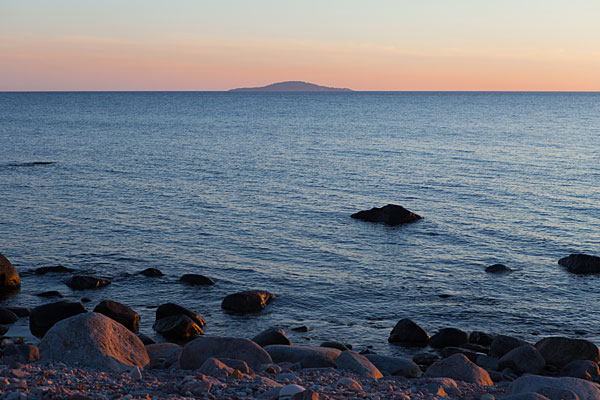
[524, 359]
[582, 369]
[171, 309]
[581, 264]
[7, 317]
[83, 282]
[177, 328]
[120, 313]
[390, 214]
[448, 337]
[42, 318]
[151, 272]
[55, 268]
[51, 293]
[302, 328]
[271, 336]
[20, 311]
[335, 345]
[9, 277]
[502, 344]
[23, 353]
[408, 333]
[498, 269]
[481, 338]
[145, 338]
[195, 279]
[560, 351]
[247, 302]
[85, 299]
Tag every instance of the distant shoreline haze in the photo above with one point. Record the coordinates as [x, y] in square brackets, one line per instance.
[291, 86]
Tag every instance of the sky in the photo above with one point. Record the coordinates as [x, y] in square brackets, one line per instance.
[543, 45]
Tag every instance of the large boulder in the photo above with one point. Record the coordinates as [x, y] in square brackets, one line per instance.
[349, 360]
[523, 360]
[581, 264]
[120, 313]
[307, 356]
[560, 351]
[448, 337]
[170, 309]
[42, 318]
[583, 369]
[502, 344]
[408, 333]
[178, 328]
[7, 317]
[540, 384]
[196, 280]
[481, 338]
[84, 282]
[271, 336]
[96, 341]
[395, 365]
[196, 352]
[390, 214]
[459, 367]
[9, 277]
[247, 302]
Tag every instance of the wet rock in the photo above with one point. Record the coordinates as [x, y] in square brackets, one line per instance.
[145, 338]
[581, 264]
[271, 336]
[560, 351]
[583, 369]
[4, 329]
[408, 333]
[54, 269]
[19, 311]
[171, 309]
[178, 328]
[398, 366]
[120, 313]
[523, 360]
[196, 352]
[349, 360]
[307, 356]
[533, 383]
[448, 337]
[476, 348]
[23, 353]
[247, 302]
[10, 281]
[335, 345]
[448, 351]
[42, 318]
[425, 359]
[459, 367]
[51, 293]
[481, 338]
[487, 362]
[502, 344]
[163, 350]
[390, 214]
[96, 341]
[498, 269]
[302, 328]
[151, 272]
[196, 280]
[84, 282]
[7, 317]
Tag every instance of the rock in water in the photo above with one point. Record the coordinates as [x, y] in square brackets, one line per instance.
[171, 309]
[247, 302]
[42, 318]
[560, 351]
[7, 317]
[502, 344]
[498, 269]
[196, 280]
[391, 214]
[9, 278]
[271, 336]
[151, 272]
[178, 328]
[448, 337]
[196, 352]
[83, 282]
[581, 264]
[96, 341]
[408, 333]
[55, 268]
[524, 359]
[120, 313]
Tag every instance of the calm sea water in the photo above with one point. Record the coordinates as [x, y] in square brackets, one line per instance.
[256, 190]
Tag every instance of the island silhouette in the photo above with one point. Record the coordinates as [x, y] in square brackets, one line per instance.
[291, 86]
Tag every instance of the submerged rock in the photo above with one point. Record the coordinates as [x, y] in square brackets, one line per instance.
[247, 301]
[51, 293]
[83, 282]
[390, 214]
[151, 272]
[9, 277]
[196, 280]
[408, 333]
[42, 318]
[120, 313]
[581, 264]
[498, 269]
[55, 268]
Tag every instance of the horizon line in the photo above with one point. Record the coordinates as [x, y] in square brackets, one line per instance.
[295, 91]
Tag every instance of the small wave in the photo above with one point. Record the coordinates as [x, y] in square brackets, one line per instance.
[30, 164]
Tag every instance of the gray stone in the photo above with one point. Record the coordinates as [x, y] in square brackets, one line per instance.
[560, 351]
[53, 269]
[163, 350]
[120, 313]
[271, 336]
[585, 390]
[216, 368]
[93, 340]
[308, 356]
[408, 333]
[583, 369]
[335, 345]
[448, 351]
[459, 367]
[502, 344]
[425, 359]
[9, 277]
[524, 360]
[448, 337]
[247, 301]
[200, 349]
[395, 365]
[498, 269]
[487, 362]
[581, 264]
[349, 360]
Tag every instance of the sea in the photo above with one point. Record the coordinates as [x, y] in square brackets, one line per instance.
[255, 190]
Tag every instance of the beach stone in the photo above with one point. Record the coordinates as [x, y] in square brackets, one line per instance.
[448, 337]
[487, 362]
[390, 214]
[54, 269]
[23, 353]
[335, 345]
[584, 390]
[425, 359]
[349, 360]
[7, 317]
[196, 280]
[477, 348]
[151, 272]
[145, 338]
[247, 301]
[448, 351]
[459, 367]
[271, 336]
[305, 355]
[348, 383]
[216, 368]
[481, 338]
[502, 344]
[301, 328]
[524, 359]
[286, 392]
[240, 365]
[51, 293]
[179, 328]
[163, 350]
[398, 366]
[498, 269]
[43, 317]
[560, 351]
[4, 329]
[84, 282]
[581, 263]
[96, 341]
[408, 333]
[200, 349]
[9, 277]
[583, 369]
[171, 309]
[308, 394]
[120, 313]
[526, 396]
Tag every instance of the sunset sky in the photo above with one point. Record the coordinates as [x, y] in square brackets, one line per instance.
[363, 45]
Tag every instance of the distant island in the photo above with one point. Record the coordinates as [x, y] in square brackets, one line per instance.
[292, 86]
